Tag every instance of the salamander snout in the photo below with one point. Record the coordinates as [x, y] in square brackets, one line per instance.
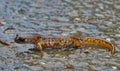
[19, 39]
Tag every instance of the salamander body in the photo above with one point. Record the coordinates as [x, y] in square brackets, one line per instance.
[42, 41]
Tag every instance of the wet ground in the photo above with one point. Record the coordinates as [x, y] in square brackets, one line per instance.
[81, 18]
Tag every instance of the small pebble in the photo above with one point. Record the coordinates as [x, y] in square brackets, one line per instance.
[114, 67]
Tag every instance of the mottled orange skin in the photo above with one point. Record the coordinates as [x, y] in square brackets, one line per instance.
[100, 42]
[60, 42]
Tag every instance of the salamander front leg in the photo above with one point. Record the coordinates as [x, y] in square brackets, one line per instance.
[39, 47]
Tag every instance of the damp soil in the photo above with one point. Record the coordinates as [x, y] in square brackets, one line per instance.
[81, 18]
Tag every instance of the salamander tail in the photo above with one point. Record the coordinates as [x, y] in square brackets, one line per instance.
[109, 46]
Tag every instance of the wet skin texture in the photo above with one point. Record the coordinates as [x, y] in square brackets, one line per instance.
[60, 42]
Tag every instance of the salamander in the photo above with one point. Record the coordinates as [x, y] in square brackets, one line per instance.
[42, 41]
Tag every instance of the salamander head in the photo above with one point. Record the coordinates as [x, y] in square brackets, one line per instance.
[27, 38]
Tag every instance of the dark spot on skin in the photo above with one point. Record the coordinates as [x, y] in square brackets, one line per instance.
[21, 39]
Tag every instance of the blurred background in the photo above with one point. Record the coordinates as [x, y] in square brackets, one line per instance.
[81, 18]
